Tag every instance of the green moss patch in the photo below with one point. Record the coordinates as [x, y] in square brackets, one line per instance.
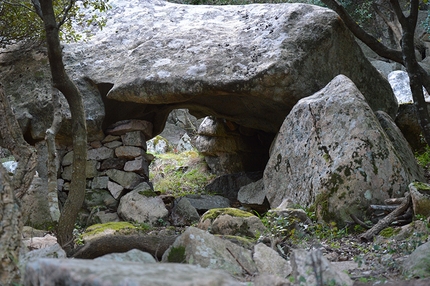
[180, 173]
[147, 193]
[112, 228]
[389, 232]
[176, 254]
[421, 186]
[214, 213]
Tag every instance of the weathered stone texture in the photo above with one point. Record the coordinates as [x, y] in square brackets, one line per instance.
[332, 152]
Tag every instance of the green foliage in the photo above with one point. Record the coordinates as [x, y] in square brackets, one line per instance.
[360, 10]
[423, 158]
[19, 22]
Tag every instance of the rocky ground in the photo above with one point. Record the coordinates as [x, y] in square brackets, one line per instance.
[367, 263]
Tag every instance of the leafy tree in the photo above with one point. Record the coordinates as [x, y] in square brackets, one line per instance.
[405, 55]
[25, 22]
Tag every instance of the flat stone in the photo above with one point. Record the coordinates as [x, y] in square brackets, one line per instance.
[100, 154]
[139, 166]
[128, 152]
[115, 189]
[123, 127]
[128, 180]
[135, 138]
[92, 272]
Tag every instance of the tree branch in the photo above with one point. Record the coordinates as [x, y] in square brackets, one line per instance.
[365, 37]
[392, 24]
[37, 8]
[66, 13]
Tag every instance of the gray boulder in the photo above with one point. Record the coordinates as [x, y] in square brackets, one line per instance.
[198, 247]
[253, 196]
[399, 81]
[139, 207]
[48, 251]
[203, 203]
[183, 213]
[332, 153]
[235, 62]
[268, 261]
[312, 268]
[91, 272]
[420, 195]
[418, 264]
[407, 121]
[40, 207]
[400, 144]
[134, 255]
[231, 221]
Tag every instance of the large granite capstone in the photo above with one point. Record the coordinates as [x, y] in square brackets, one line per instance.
[248, 64]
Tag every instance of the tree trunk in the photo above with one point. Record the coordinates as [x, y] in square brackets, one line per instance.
[10, 230]
[417, 75]
[62, 82]
[10, 213]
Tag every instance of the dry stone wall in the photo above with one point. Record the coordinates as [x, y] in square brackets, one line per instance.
[115, 165]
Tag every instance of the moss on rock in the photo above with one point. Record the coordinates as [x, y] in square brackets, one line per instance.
[110, 228]
[389, 232]
[176, 254]
[214, 213]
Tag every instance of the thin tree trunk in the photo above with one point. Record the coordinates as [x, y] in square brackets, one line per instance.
[10, 213]
[415, 73]
[62, 82]
[392, 22]
[10, 230]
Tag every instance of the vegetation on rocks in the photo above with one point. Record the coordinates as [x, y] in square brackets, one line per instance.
[214, 213]
[118, 228]
[180, 173]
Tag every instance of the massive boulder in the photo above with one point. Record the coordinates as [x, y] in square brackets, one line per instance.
[333, 153]
[247, 64]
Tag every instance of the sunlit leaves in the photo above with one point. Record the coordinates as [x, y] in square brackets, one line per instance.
[20, 23]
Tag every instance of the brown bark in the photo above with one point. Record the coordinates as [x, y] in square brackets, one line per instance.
[10, 214]
[417, 75]
[62, 82]
[10, 230]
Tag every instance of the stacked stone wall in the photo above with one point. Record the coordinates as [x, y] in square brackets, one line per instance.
[115, 165]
